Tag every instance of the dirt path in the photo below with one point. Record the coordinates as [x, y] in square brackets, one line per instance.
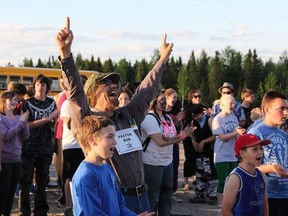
[178, 209]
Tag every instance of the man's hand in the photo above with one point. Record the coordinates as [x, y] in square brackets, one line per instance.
[280, 170]
[64, 40]
[165, 49]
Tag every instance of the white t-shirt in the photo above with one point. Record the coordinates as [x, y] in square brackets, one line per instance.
[224, 150]
[154, 154]
[68, 139]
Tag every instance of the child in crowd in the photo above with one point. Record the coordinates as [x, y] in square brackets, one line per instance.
[245, 190]
[274, 164]
[203, 143]
[247, 96]
[13, 131]
[225, 127]
[256, 116]
[94, 184]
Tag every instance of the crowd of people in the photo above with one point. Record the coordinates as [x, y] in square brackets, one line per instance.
[118, 148]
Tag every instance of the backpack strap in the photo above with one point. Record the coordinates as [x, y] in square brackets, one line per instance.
[147, 140]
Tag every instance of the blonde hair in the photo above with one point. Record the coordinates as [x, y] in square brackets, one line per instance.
[170, 91]
[255, 114]
[91, 125]
[225, 98]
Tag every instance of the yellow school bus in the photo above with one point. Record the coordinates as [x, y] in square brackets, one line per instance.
[26, 75]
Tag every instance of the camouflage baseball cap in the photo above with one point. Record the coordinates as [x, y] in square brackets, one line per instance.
[94, 80]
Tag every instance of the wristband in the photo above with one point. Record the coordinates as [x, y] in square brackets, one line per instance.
[180, 136]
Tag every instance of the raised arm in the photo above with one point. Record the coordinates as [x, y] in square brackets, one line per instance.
[146, 91]
[64, 40]
[71, 76]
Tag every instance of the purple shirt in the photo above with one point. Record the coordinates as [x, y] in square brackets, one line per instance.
[14, 132]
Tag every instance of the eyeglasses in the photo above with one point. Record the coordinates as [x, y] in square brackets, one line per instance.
[229, 92]
[197, 96]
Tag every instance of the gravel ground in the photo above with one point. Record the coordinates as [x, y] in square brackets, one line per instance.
[178, 209]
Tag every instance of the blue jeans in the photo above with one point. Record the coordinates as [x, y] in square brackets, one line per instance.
[137, 204]
[41, 166]
[160, 188]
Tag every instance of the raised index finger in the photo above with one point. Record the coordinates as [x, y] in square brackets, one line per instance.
[67, 24]
[164, 39]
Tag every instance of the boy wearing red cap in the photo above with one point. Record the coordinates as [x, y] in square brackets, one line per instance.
[245, 191]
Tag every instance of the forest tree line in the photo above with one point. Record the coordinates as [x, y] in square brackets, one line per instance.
[206, 73]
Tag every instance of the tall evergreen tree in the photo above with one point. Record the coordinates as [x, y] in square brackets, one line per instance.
[141, 70]
[215, 78]
[248, 70]
[232, 61]
[170, 75]
[108, 66]
[201, 76]
[27, 62]
[49, 63]
[282, 72]
[192, 71]
[124, 69]
[79, 62]
[257, 72]
[98, 65]
[183, 84]
[154, 58]
[39, 64]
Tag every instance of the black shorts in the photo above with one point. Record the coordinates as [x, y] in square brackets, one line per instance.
[71, 160]
[278, 207]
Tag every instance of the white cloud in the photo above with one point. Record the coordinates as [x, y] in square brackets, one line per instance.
[241, 31]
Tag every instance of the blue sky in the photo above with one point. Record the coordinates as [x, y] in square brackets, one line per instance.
[133, 29]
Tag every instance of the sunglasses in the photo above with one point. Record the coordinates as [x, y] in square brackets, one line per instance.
[107, 82]
[197, 96]
[227, 92]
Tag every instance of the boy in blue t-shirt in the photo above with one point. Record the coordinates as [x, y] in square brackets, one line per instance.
[275, 160]
[94, 185]
[245, 191]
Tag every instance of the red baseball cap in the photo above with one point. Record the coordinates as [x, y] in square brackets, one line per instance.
[247, 140]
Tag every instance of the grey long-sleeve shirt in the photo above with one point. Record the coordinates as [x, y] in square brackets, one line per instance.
[128, 167]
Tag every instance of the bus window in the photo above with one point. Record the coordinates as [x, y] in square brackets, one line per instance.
[54, 86]
[27, 81]
[15, 79]
[3, 82]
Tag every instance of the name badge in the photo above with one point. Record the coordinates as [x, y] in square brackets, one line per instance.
[127, 141]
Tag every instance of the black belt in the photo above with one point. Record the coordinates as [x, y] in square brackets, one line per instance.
[138, 191]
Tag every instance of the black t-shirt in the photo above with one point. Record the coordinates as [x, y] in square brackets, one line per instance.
[39, 144]
[248, 120]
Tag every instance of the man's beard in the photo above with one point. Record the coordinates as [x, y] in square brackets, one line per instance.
[105, 103]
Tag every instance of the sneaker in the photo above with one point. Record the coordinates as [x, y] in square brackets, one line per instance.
[61, 202]
[68, 211]
[211, 200]
[197, 199]
[176, 199]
